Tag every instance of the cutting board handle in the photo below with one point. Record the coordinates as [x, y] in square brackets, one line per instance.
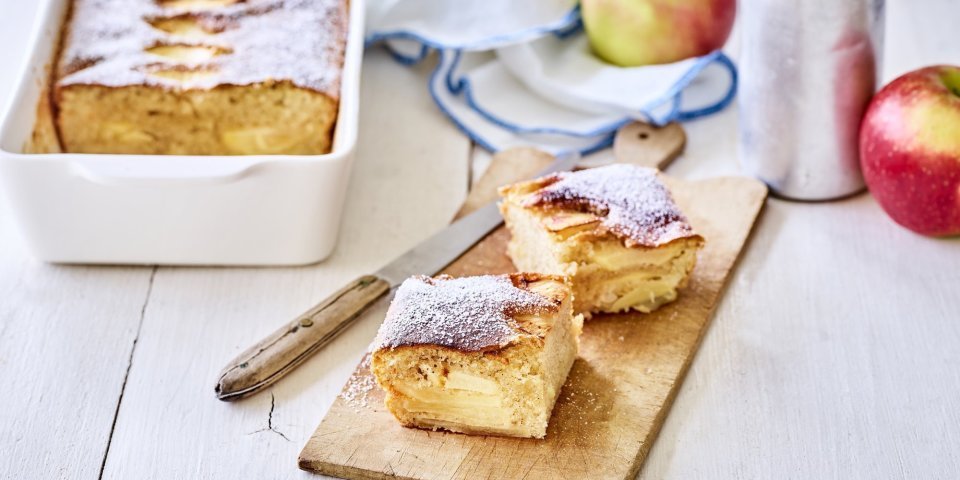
[637, 143]
[648, 145]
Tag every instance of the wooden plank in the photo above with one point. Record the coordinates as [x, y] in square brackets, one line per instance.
[66, 333]
[170, 424]
[480, 160]
[615, 398]
[810, 371]
[834, 352]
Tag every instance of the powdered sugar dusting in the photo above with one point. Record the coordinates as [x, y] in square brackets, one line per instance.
[631, 200]
[470, 313]
[356, 391]
[298, 41]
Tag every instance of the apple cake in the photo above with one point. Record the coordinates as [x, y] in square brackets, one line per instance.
[200, 77]
[614, 231]
[481, 355]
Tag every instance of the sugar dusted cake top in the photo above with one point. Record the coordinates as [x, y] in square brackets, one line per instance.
[470, 313]
[118, 43]
[627, 201]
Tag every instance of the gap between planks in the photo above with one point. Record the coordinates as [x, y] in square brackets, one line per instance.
[477, 163]
[126, 374]
[478, 159]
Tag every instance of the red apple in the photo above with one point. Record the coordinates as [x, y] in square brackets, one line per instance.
[910, 150]
[631, 33]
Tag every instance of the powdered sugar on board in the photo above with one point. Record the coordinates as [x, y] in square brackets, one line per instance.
[469, 313]
[632, 201]
[356, 392]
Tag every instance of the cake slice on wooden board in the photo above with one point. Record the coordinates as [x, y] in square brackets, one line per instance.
[200, 77]
[481, 355]
[615, 231]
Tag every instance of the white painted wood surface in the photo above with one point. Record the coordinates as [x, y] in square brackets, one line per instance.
[835, 353]
[66, 334]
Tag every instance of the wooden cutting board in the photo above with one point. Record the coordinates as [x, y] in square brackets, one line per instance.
[619, 389]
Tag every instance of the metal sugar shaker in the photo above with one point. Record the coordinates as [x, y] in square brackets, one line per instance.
[808, 71]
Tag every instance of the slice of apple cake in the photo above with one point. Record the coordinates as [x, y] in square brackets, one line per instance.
[481, 355]
[615, 231]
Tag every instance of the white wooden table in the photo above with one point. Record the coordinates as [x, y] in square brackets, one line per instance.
[834, 354]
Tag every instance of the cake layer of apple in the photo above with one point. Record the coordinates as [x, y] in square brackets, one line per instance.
[217, 121]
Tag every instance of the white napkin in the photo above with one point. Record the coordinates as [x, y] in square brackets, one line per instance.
[521, 73]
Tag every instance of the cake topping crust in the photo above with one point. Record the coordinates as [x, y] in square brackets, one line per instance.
[630, 201]
[112, 43]
[469, 313]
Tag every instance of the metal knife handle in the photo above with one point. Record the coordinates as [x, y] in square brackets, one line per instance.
[285, 349]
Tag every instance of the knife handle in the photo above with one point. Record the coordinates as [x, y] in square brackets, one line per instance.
[285, 349]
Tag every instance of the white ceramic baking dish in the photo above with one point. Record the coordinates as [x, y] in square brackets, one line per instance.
[182, 210]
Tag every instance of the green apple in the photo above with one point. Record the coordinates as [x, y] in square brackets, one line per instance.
[632, 33]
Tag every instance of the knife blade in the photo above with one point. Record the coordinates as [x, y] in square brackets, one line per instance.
[289, 346]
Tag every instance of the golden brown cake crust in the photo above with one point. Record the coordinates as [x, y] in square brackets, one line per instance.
[469, 314]
[117, 43]
[627, 201]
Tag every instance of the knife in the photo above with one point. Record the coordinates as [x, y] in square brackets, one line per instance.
[285, 349]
